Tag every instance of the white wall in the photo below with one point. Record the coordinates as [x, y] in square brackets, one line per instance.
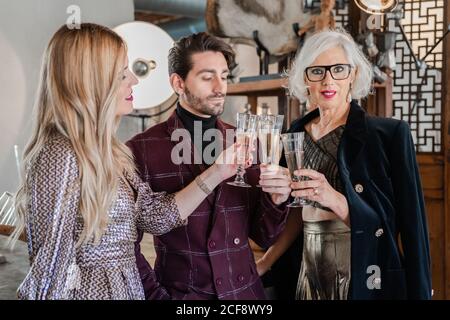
[25, 29]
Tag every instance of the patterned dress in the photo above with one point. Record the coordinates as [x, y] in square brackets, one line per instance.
[325, 268]
[59, 269]
[321, 156]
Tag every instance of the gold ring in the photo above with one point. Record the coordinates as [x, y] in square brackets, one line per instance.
[316, 191]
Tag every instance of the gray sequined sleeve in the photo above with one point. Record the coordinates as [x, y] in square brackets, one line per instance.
[157, 211]
[51, 214]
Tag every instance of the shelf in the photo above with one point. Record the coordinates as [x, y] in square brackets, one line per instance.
[273, 87]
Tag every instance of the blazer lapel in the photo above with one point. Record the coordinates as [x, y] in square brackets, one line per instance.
[353, 139]
[175, 123]
[221, 126]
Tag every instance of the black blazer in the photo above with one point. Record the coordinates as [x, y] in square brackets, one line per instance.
[379, 173]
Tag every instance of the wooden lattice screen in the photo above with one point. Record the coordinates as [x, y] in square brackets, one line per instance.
[417, 94]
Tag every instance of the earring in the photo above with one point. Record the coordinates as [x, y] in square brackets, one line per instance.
[307, 103]
[349, 95]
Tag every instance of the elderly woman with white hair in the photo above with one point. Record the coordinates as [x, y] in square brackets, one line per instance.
[364, 230]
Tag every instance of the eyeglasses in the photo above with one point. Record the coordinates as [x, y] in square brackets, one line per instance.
[339, 71]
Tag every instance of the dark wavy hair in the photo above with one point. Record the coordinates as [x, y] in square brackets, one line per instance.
[180, 54]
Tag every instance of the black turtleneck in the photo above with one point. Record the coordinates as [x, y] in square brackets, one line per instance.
[189, 119]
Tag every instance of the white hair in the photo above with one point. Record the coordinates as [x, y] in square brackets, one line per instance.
[316, 45]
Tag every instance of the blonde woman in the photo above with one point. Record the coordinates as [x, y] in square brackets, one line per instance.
[81, 200]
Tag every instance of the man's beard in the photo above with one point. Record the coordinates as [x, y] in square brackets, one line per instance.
[203, 105]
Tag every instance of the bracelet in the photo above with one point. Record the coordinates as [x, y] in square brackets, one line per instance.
[202, 185]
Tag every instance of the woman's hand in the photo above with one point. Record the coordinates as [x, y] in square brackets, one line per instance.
[319, 190]
[275, 180]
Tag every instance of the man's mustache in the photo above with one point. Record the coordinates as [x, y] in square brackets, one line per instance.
[220, 95]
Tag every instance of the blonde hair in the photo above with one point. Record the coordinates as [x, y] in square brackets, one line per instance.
[316, 45]
[80, 77]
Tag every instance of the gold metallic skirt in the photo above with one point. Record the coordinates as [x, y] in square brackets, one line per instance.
[325, 269]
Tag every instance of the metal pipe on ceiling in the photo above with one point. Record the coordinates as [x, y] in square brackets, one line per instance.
[183, 27]
[191, 8]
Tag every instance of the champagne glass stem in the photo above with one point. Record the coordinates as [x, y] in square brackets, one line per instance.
[298, 201]
[240, 173]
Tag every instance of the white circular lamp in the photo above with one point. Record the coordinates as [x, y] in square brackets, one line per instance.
[376, 6]
[148, 48]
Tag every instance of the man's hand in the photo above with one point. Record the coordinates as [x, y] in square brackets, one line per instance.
[275, 180]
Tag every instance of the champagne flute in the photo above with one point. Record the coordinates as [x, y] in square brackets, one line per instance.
[293, 151]
[245, 136]
[269, 131]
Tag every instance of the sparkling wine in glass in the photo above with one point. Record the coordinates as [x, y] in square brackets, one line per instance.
[269, 131]
[293, 151]
[245, 136]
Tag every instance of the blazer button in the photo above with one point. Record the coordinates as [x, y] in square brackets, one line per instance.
[212, 244]
[236, 241]
[379, 233]
[219, 281]
[359, 188]
[241, 278]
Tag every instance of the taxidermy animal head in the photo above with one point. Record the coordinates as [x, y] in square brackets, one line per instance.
[273, 19]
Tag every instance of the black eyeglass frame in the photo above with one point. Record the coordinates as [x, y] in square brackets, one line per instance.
[328, 68]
